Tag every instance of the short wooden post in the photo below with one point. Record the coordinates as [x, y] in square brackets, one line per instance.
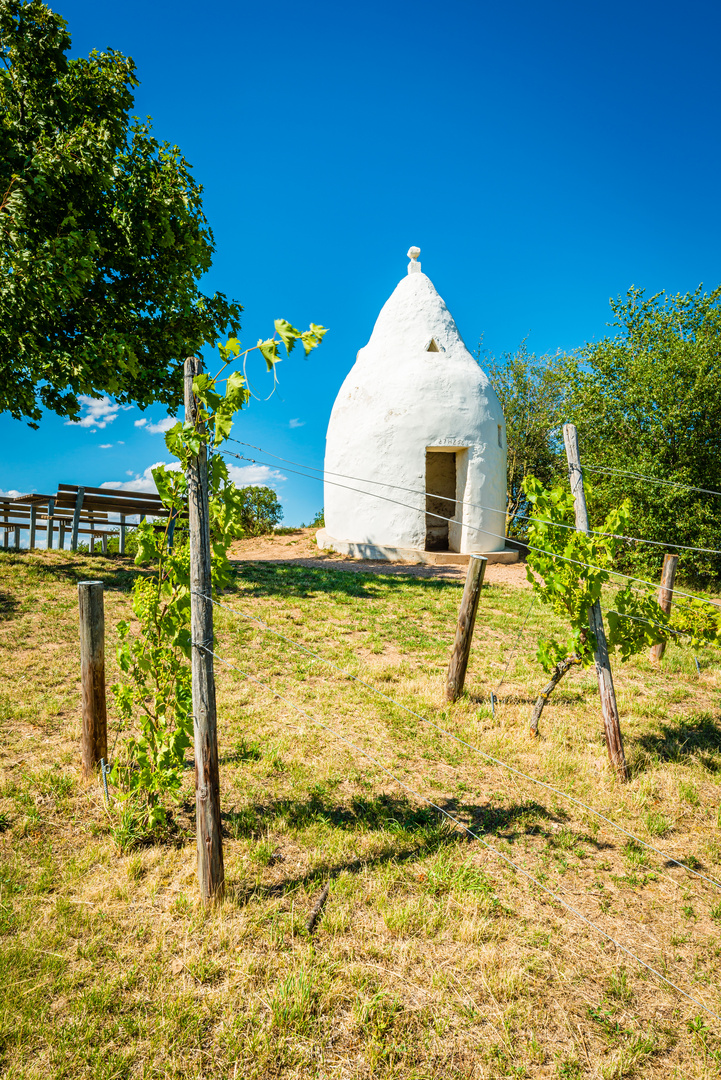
[17, 537]
[94, 739]
[104, 542]
[76, 518]
[121, 543]
[211, 872]
[665, 596]
[61, 534]
[609, 708]
[91, 537]
[51, 519]
[33, 526]
[464, 631]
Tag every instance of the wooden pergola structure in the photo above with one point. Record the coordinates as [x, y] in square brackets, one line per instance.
[76, 511]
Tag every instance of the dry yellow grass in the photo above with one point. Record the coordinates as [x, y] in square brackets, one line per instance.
[432, 958]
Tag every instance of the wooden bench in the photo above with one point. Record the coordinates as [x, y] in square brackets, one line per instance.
[79, 511]
[92, 505]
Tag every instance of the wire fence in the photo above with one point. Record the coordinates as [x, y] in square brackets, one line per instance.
[500, 536]
[456, 738]
[475, 506]
[634, 582]
[650, 479]
[465, 828]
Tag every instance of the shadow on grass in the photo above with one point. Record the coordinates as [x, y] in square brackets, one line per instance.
[8, 605]
[402, 821]
[287, 580]
[695, 738]
[115, 571]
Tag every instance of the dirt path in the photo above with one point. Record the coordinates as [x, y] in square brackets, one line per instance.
[300, 549]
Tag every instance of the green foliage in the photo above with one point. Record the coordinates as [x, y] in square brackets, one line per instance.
[648, 401]
[531, 391]
[260, 512]
[635, 620]
[102, 235]
[156, 697]
[318, 521]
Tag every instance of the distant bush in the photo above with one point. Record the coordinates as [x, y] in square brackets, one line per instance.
[318, 521]
[261, 510]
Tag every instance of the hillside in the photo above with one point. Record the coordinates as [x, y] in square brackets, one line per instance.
[433, 958]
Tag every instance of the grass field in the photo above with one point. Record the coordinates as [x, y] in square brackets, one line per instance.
[432, 958]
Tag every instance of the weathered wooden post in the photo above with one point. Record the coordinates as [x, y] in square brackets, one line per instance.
[609, 708]
[464, 631]
[76, 518]
[665, 596]
[33, 526]
[61, 534]
[51, 520]
[121, 544]
[17, 537]
[211, 873]
[94, 739]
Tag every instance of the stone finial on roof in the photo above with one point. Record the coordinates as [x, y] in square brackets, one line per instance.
[414, 267]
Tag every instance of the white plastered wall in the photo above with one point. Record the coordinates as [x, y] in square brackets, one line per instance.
[399, 400]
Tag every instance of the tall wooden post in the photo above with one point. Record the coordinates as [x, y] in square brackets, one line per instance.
[211, 873]
[665, 595]
[33, 526]
[464, 630]
[609, 708]
[121, 545]
[51, 520]
[94, 739]
[76, 518]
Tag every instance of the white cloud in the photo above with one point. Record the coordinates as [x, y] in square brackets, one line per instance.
[105, 445]
[99, 412]
[296, 423]
[242, 475]
[258, 475]
[156, 429]
[141, 481]
[11, 494]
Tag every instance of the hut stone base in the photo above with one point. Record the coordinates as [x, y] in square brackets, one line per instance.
[407, 555]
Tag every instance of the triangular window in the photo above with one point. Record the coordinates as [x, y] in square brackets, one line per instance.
[432, 346]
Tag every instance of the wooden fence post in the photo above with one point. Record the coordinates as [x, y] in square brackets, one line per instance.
[33, 526]
[211, 873]
[609, 708]
[94, 739]
[464, 630]
[121, 543]
[665, 595]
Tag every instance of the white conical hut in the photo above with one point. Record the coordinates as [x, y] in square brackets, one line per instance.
[415, 412]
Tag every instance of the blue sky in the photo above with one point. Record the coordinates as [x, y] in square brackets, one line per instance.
[543, 156]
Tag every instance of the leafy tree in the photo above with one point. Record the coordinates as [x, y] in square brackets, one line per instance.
[531, 392]
[102, 234]
[260, 510]
[648, 401]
